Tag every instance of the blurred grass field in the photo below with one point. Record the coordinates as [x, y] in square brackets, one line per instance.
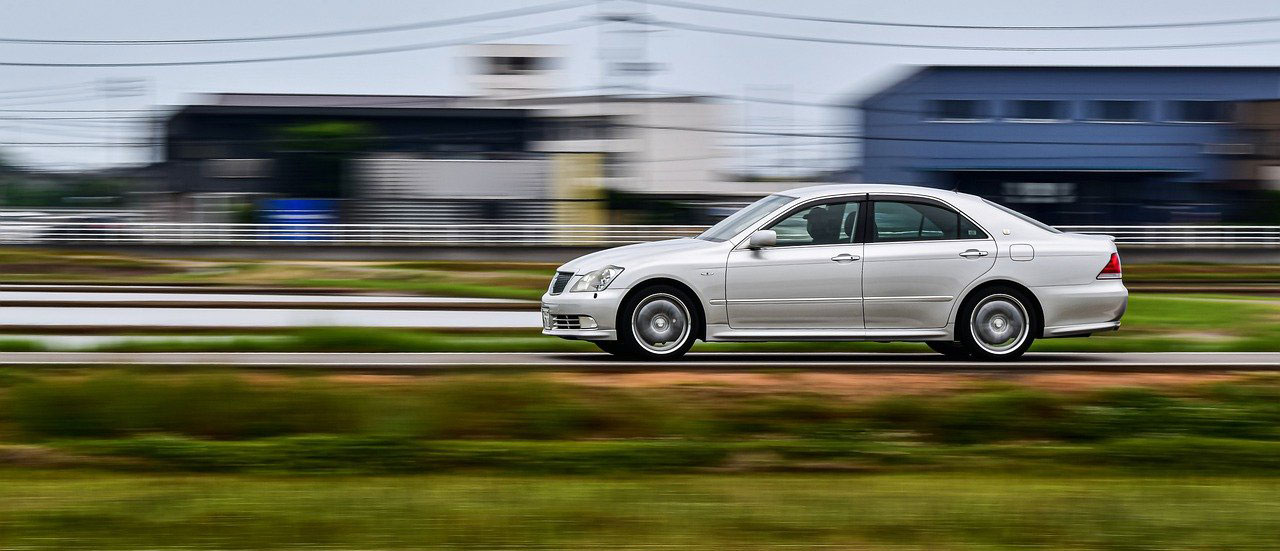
[327, 423]
[924, 511]
[168, 460]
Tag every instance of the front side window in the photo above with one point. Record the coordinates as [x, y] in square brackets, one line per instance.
[906, 221]
[737, 222]
[1038, 110]
[827, 224]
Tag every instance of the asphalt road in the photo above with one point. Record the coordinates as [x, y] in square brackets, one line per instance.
[1083, 362]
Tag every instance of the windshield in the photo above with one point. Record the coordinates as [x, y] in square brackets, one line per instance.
[738, 221]
[1024, 217]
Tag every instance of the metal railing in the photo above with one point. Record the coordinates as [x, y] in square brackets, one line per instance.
[1186, 236]
[176, 233]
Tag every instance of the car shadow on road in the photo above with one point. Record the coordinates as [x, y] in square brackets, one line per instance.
[833, 360]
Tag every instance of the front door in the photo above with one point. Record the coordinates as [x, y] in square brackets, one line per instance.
[918, 258]
[812, 278]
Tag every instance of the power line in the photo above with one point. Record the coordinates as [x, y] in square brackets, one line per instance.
[545, 29]
[863, 137]
[797, 17]
[76, 99]
[823, 40]
[505, 14]
[46, 89]
[526, 133]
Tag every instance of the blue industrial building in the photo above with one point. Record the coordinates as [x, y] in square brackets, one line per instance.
[1071, 145]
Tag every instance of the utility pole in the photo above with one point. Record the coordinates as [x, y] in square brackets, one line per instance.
[111, 88]
[623, 50]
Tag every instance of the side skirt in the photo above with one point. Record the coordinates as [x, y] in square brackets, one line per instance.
[724, 333]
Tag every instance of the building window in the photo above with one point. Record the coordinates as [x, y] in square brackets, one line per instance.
[515, 65]
[236, 168]
[579, 128]
[1115, 111]
[1039, 192]
[958, 110]
[1200, 111]
[1037, 110]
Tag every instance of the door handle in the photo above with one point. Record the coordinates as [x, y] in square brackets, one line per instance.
[846, 257]
[973, 253]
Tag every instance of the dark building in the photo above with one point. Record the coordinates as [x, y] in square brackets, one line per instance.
[292, 144]
[1070, 145]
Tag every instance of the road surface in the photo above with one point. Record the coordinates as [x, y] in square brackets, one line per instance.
[1084, 362]
[32, 318]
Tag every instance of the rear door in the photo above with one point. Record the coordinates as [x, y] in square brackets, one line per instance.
[920, 254]
[812, 278]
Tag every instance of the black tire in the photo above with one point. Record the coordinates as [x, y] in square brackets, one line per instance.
[670, 312]
[993, 314]
[951, 349]
[612, 347]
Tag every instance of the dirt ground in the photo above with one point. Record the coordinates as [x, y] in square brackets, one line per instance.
[854, 386]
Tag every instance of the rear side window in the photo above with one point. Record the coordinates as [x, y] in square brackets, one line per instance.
[907, 221]
[969, 230]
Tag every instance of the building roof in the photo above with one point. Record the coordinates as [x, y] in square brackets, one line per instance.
[399, 105]
[329, 100]
[921, 70]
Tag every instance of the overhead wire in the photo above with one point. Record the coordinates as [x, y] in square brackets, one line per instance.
[712, 29]
[529, 31]
[869, 22]
[417, 25]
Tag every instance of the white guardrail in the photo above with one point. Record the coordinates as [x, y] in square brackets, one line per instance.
[175, 233]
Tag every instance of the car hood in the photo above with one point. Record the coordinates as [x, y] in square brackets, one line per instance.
[631, 256]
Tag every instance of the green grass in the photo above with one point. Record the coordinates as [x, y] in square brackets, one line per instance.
[987, 511]
[169, 460]
[504, 422]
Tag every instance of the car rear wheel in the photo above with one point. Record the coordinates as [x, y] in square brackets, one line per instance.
[657, 323]
[998, 324]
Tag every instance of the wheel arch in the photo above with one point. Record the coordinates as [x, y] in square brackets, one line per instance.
[700, 329]
[1037, 331]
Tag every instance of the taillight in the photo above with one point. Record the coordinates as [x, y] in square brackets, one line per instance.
[1112, 269]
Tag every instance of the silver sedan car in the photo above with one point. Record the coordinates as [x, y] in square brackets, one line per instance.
[858, 262]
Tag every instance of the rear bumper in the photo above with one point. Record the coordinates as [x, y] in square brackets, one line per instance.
[1072, 310]
[601, 306]
[1080, 329]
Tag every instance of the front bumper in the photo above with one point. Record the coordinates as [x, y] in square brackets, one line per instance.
[602, 307]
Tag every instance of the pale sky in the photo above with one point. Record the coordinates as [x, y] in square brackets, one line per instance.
[716, 64]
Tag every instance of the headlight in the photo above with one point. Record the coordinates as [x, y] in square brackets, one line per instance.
[597, 280]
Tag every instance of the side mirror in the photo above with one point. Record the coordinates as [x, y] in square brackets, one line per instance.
[762, 238]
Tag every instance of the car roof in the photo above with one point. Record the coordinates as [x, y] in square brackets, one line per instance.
[810, 192]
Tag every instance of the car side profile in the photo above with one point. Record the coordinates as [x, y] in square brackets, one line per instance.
[855, 262]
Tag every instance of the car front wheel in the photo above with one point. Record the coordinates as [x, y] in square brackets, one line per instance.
[657, 323]
[998, 324]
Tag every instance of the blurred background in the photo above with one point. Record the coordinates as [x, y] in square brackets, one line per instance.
[269, 274]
